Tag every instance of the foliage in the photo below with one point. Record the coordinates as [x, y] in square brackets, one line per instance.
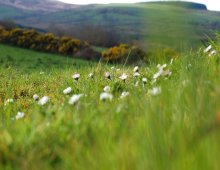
[123, 54]
[48, 42]
[165, 54]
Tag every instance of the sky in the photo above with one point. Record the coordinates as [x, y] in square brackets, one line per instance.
[211, 4]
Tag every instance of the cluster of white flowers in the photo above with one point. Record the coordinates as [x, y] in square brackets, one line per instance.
[162, 72]
[106, 95]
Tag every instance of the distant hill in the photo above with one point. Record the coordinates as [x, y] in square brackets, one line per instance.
[149, 25]
[38, 5]
[181, 4]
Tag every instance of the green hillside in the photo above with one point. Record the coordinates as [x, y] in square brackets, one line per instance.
[29, 61]
[151, 25]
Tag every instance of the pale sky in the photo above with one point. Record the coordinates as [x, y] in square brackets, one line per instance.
[211, 4]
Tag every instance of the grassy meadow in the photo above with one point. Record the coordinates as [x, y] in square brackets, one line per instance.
[169, 122]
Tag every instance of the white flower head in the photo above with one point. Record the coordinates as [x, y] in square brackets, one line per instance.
[136, 74]
[124, 94]
[123, 77]
[75, 98]
[158, 74]
[9, 101]
[76, 76]
[158, 66]
[112, 68]
[43, 100]
[208, 49]
[136, 84]
[106, 89]
[91, 75]
[163, 66]
[107, 75]
[35, 97]
[118, 69]
[155, 91]
[213, 52]
[136, 69]
[106, 96]
[19, 115]
[144, 80]
[68, 90]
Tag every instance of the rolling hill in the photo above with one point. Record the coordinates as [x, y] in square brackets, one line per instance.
[150, 25]
[38, 5]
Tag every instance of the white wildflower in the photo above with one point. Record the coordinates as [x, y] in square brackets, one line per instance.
[118, 70]
[43, 100]
[76, 76]
[123, 77]
[19, 115]
[91, 75]
[208, 49]
[67, 90]
[106, 89]
[107, 75]
[124, 94]
[136, 74]
[35, 97]
[213, 52]
[158, 74]
[158, 66]
[75, 98]
[9, 101]
[106, 96]
[136, 69]
[155, 91]
[144, 80]
[112, 68]
[163, 66]
[136, 84]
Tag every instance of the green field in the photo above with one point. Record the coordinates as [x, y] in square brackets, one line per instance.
[178, 128]
[177, 25]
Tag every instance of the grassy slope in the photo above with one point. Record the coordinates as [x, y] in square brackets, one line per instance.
[27, 60]
[178, 129]
[156, 24]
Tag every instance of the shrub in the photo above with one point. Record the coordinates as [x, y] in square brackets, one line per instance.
[32, 39]
[123, 54]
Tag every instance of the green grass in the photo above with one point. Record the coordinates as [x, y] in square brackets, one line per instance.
[29, 61]
[177, 129]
